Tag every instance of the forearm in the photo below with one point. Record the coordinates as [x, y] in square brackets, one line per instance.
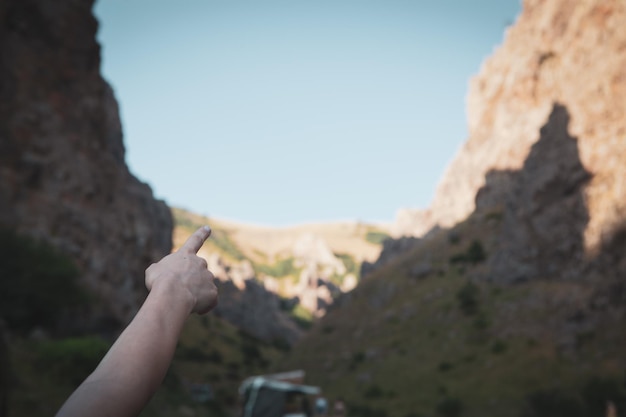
[136, 364]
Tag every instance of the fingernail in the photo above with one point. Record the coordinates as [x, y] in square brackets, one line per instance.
[207, 229]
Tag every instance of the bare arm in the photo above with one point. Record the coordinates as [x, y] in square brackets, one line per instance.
[136, 364]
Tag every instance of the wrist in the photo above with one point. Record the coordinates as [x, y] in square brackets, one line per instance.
[173, 294]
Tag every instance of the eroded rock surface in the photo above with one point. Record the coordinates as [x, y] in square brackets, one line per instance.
[63, 177]
[572, 53]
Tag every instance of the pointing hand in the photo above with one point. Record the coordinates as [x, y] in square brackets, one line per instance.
[186, 271]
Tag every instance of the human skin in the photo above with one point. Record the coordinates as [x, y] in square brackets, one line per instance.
[134, 367]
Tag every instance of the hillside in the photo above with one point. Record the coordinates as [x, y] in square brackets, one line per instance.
[572, 53]
[63, 175]
[273, 278]
[487, 317]
[507, 295]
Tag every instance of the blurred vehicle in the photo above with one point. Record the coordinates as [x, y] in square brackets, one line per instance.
[278, 395]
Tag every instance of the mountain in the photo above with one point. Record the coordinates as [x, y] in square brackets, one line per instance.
[556, 52]
[274, 282]
[506, 297]
[63, 176]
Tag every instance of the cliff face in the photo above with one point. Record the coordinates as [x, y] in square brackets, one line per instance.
[572, 53]
[63, 177]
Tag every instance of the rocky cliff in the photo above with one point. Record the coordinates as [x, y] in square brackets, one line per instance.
[570, 52]
[275, 282]
[63, 177]
[507, 296]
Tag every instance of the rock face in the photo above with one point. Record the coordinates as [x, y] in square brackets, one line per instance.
[63, 177]
[543, 209]
[313, 252]
[248, 303]
[572, 53]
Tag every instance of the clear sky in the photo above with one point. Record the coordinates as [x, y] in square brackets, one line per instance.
[280, 112]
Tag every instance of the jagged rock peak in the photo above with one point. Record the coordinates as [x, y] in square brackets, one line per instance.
[570, 52]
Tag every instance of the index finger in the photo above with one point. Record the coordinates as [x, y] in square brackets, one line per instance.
[196, 240]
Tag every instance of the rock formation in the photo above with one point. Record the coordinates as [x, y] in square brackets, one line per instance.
[248, 303]
[573, 53]
[63, 177]
[259, 305]
[313, 252]
[544, 213]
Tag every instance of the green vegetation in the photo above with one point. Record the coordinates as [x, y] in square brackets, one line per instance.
[352, 267]
[450, 407]
[590, 399]
[220, 238]
[373, 391]
[498, 347]
[38, 284]
[357, 359]
[362, 410]
[302, 317]
[433, 339]
[467, 297]
[282, 268]
[222, 241]
[72, 359]
[210, 351]
[376, 237]
[445, 366]
[474, 254]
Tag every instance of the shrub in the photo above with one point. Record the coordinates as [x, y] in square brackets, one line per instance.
[445, 366]
[481, 322]
[302, 317]
[281, 344]
[498, 347]
[597, 392]
[221, 239]
[358, 357]
[215, 357]
[552, 403]
[376, 238]
[37, 283]
[450, 407]
[351, 265]
[454, 237]
[72, 359]
[474, 254]
[251, 354]
[366, 411]
[281, 268]
[327, 328]
[373, 391]
[468, 298]
[192, 354]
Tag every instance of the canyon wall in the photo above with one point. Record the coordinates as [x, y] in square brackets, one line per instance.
[63, 177]
[568, 52]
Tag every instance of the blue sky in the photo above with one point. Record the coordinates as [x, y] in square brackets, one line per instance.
[283, 112]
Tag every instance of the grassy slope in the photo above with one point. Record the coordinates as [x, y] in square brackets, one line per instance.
[262, 244]
[45, 372]
[210, 351]
[398, 346]
[269, 249]
[401, 346]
